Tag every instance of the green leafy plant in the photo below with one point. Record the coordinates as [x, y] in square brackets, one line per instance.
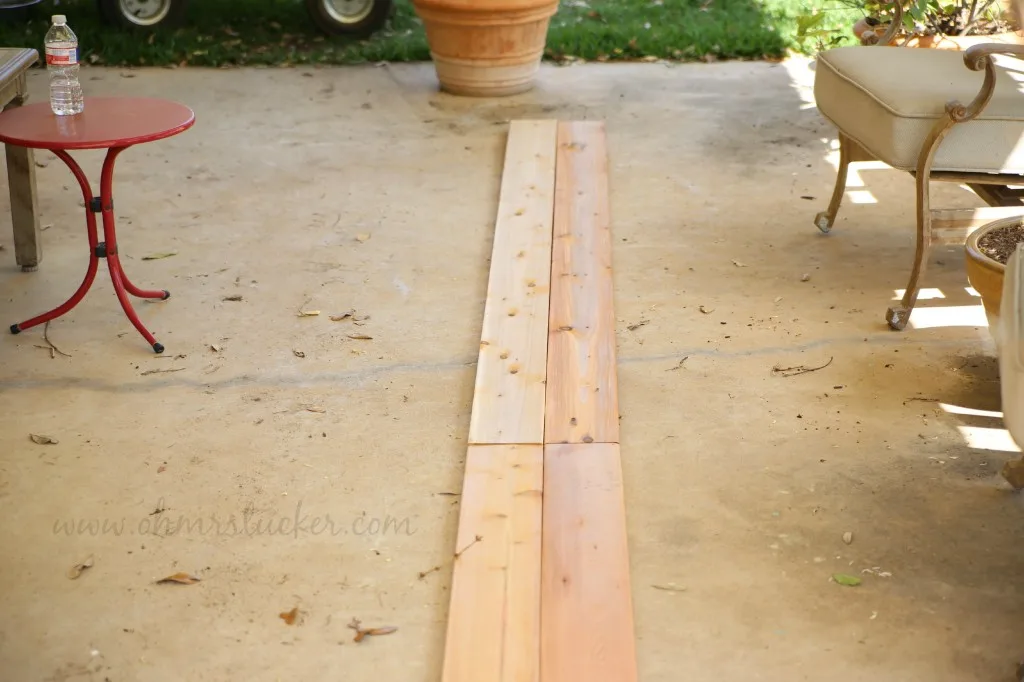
[948, 18]
[920, 18]
[814, 28]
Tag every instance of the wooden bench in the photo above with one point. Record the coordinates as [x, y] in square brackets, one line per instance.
[21, 168]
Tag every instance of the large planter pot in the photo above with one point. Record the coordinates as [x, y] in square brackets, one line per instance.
[964, 42]
[985, 273]
[864, 31]
[485, 48]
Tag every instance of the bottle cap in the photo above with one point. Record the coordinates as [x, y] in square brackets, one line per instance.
[60, 19]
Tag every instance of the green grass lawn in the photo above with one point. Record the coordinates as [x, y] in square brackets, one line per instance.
[278, 32]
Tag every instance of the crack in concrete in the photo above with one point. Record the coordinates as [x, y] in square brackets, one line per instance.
[294, 381]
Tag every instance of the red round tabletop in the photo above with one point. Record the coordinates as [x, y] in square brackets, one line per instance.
[106, 122]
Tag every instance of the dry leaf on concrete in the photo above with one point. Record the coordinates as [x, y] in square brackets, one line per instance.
[362, 632]
[42, 440]
[158, 256]
[298, 354]
[669, 587]
[386, 630]
[78, 569]
[362, 238]
[846, 580]
[308, 313]
[362, 337]
[289, 617]
[178, 578]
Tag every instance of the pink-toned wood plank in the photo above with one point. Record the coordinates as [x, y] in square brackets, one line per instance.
[494, 616]
[587, 632]
[582, 393]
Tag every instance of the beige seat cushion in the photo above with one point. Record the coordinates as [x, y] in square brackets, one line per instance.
[888, 99]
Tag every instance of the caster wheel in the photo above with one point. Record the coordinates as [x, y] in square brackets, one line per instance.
[143, 15]
[355, 18]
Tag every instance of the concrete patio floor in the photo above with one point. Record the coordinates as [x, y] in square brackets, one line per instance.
[364, 188]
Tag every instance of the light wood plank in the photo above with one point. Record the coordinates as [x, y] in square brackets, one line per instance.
[494, 616]
[508, 403]
[953, 226]
[586, 608]
[582, 393]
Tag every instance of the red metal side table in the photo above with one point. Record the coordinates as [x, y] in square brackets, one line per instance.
[114, 124]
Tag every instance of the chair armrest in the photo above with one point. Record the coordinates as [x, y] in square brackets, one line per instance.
[978, 58]
[975, 55]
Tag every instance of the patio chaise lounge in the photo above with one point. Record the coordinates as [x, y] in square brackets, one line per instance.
[922, 111]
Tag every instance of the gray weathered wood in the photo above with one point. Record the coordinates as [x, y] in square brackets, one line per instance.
[21, 167]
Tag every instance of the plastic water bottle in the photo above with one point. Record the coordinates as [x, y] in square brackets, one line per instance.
[66, 96]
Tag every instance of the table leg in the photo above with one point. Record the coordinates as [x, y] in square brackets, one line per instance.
[21, 178]
[90, 273]
[122, 285]
[104, 205]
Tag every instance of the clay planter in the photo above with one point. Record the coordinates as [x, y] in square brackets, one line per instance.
[486, 48]
[939, 42]
[986, 273]
[964, 42]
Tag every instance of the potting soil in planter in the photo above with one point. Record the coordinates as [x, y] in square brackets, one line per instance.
[1000, 244]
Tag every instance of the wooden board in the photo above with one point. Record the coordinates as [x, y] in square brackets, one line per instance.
[953, 226]
[540, 585]
[494, 617]
[582, 394]
[508, 403]
[586, 607]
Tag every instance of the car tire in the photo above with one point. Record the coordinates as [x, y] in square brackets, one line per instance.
[164, 13]
[334, 18]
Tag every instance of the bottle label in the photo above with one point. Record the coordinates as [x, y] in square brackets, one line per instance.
[62, 56]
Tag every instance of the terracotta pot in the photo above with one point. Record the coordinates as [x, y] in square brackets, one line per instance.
[984, 273]
[964, 42]
[862, 29]
[486, 48]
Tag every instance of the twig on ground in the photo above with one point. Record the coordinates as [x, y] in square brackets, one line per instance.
[49, 344]
[799, 369]
[161, 371]
[462, 551]
[455, 557]
[679, 366]
[307, 313]
[424, 574]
